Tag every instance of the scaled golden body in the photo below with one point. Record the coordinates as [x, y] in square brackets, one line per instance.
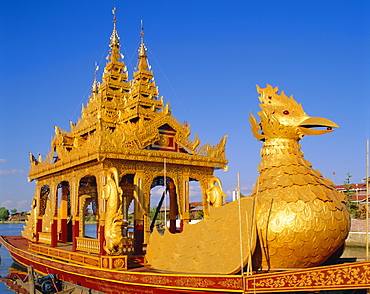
[301, 219]
[215, 245]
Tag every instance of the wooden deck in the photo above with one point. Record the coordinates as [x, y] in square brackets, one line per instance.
[64, 252]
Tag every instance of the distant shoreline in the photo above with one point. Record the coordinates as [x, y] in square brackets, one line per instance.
[23, 222]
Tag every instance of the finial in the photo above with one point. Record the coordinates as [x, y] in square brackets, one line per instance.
[141, 32]
[95, 85]
[114, 16]
[142, 48]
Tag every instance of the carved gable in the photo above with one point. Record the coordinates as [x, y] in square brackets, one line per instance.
[167, 140]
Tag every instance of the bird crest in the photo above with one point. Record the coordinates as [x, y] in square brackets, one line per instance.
[282, 117]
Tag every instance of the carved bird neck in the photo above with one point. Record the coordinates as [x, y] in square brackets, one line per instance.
[278, 152]
[283, 167]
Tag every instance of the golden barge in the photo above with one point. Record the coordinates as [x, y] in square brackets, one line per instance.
[125, 143]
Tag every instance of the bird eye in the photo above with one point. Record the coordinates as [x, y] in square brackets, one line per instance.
[286, 112]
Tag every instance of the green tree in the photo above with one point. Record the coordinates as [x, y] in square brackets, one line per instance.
[152, 212]
[200, 214]
[348, 191]
[14, 210]
[4, 213]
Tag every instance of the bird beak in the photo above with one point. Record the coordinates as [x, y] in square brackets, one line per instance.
[307, 126]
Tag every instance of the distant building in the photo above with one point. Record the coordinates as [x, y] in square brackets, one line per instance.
[196, 210]
[358, 190]
[18, 216]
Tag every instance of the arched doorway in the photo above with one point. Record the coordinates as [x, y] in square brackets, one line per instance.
[90, 216]
[159, 212]
[128, 188]
[88, 205]
[44, 197]
[64, 212]
[44, 215]
[196, 212]
[170, 208]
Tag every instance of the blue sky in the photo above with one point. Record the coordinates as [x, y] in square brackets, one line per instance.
[207, 57]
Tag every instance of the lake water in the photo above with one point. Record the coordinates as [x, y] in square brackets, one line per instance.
[15, 230]
[6, 261]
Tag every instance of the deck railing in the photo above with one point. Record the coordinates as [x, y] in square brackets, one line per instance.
[45, 237]
[93, 246]
[88, 244]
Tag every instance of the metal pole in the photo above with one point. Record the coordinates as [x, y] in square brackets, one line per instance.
[165, 194]
[240, 235]
[367, 199]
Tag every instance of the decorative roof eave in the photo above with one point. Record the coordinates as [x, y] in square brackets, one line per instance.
[150, 102]
[102, 144]
[45, 169]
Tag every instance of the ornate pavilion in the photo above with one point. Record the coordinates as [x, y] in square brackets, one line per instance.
[125, 143]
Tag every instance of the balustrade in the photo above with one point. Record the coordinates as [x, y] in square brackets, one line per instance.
[88, 244]
[45, 237]
[93, 245]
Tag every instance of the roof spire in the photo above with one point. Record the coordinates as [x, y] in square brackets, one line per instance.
[114, 39]
[143, 88]
[114, 17]
[142, 62]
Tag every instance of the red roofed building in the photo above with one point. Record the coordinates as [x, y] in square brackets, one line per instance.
[359, 191]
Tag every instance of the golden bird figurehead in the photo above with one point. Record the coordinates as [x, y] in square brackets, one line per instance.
[283, 117]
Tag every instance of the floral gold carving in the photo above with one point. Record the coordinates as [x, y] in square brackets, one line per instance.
[156, 280]
[112, 193]
[193, 282]
[350, 276]
[215, 195]
[235, 283]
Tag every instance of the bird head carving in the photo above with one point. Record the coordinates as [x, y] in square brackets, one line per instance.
[283, 117]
